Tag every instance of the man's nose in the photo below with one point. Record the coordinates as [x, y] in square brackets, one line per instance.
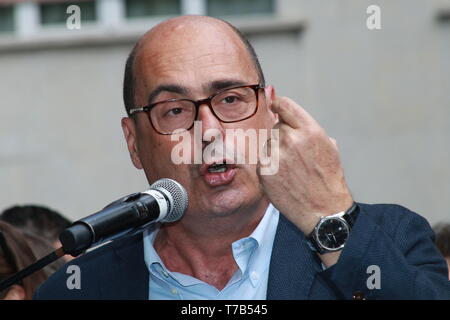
[209, 120]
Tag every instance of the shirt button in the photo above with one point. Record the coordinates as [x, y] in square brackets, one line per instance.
[164, 273]
[254, 276]
[174, 291]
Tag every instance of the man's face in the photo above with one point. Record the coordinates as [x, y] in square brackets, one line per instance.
[197, 61]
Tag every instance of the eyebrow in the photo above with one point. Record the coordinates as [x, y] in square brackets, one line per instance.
[213, 87]
[223, 84]
[168, 88]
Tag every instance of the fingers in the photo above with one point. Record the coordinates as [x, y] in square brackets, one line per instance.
[296, 124]
[291, 113]
[334, 143]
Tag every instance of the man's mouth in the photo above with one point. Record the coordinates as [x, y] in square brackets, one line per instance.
[216, 174]
[217, 167]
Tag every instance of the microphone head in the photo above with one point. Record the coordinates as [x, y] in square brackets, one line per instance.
[177, 195]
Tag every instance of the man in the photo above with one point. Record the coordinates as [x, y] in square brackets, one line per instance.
[246, 235]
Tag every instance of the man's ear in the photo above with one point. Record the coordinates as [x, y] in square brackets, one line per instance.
[129, 132]
[15, 292]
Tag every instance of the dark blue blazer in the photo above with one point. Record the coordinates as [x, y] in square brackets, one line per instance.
[398, 241]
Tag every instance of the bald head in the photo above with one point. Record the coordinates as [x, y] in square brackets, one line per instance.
[187, 29]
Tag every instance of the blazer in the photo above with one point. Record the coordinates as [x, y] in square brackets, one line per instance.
[390, 239]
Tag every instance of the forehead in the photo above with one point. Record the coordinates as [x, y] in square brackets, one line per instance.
[192, 54]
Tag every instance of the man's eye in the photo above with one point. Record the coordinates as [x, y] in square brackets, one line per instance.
[173, 111]
[230, 99]
[176, 110]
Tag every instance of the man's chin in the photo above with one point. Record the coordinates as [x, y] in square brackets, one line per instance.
[226, 193]
[223, 200]
[227, 201]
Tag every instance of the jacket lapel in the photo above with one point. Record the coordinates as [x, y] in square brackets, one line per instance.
[127, 278]
[293, 265]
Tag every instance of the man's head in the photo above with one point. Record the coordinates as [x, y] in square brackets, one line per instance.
[129, 79]
[193, 57]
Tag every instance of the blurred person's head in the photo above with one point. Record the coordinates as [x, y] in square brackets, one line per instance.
[17, 251]
[442, 231]
[37, 220]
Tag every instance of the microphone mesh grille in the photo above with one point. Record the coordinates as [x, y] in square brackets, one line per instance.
[179, 199]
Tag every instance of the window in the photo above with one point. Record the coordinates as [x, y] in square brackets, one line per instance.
[145, 8]
[56, 13]
[6, 18]
[218, 8]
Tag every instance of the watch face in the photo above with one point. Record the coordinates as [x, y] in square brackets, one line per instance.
[332, 233]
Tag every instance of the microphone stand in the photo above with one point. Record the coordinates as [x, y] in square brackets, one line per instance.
[58, 253]
[41, 263]
[80, 235]
[66, 248]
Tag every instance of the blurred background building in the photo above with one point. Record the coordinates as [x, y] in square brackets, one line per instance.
[383, 94]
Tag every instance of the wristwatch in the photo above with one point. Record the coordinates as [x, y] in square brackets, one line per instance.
[331, 232]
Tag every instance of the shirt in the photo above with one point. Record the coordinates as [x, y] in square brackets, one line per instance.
[252, 255]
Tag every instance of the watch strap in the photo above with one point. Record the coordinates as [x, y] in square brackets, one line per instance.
[351, 214]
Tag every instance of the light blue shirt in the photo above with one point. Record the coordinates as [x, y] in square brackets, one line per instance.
[252, 255]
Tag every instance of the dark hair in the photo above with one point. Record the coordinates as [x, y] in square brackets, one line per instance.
[129, 80]
[443, 238]
[17, 251]
[37, 220]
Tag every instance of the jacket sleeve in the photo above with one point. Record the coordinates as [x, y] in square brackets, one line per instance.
[390, 254]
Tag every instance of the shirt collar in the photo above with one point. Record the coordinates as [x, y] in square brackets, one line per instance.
[260, 233]
[262, 237]
[260, 242]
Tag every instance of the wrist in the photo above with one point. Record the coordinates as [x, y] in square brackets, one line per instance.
[332, 232]
[308, 224]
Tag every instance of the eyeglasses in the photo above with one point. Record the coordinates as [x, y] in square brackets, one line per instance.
[228, 105]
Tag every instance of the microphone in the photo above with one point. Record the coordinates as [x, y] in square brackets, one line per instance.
[165, 201]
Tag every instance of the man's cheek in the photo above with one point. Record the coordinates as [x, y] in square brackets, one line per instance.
[156, 156]
[184, 149]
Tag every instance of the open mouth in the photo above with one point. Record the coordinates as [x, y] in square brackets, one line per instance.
[217, 168]
[216, 174]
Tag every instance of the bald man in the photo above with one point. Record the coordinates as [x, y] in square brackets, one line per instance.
[295, 233]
